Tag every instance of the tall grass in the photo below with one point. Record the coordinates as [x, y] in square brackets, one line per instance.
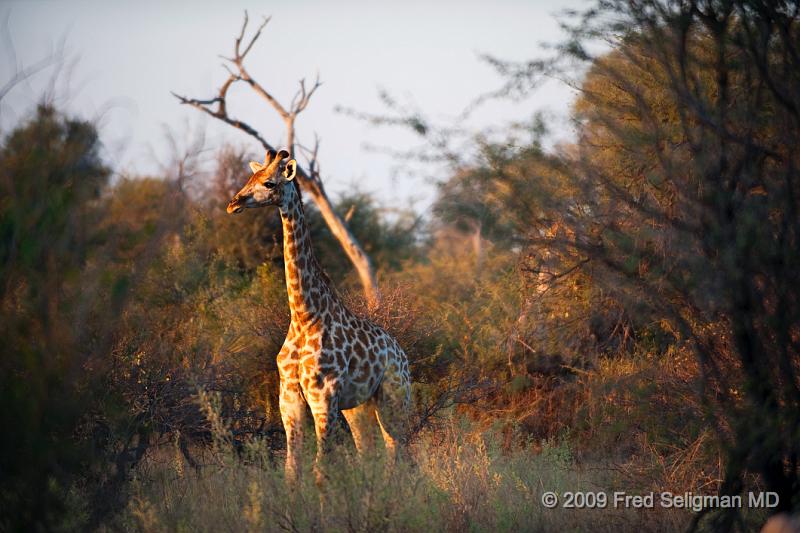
[457, 479]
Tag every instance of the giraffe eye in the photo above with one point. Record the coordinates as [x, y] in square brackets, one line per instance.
[269, 185]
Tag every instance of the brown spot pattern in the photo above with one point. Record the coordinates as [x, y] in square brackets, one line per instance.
[331, 358]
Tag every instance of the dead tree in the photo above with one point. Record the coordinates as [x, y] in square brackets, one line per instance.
[309, 180]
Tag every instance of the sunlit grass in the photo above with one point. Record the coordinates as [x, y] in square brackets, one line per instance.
[458, 479]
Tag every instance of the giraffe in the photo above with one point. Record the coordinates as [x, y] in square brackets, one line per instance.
[331, 359]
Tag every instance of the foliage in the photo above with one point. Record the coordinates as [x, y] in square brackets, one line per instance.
[50, 181]
[677, 207]
[620, 311]
[390, 239]
[699, 210]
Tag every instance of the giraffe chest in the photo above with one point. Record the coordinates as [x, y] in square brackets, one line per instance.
[328, 364]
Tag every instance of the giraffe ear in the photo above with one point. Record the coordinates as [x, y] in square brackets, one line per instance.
[290, 171]
[255, 167]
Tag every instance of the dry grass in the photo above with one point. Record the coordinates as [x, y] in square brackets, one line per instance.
[455, 480]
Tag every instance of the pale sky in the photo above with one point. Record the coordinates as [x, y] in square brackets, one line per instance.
[132, 54]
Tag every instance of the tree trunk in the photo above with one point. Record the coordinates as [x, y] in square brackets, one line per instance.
[361, 261]
[309, 182]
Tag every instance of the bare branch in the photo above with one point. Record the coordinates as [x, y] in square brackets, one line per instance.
[311, 156]
[202, 105]
[22, 73]
[238, 60]
[303, 97]
[262, 92]
[254, 39]
[308, 180]
[299, 95]
[231, 72]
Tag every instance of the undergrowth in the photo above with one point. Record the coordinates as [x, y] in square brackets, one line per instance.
[459, 478]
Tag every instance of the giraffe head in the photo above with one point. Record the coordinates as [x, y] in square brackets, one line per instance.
[266, 185]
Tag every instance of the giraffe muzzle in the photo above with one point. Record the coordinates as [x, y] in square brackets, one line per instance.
[235, 208]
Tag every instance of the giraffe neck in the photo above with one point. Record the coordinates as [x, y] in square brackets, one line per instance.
[306, 284]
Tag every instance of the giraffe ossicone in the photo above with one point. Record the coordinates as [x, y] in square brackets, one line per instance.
[332, 360]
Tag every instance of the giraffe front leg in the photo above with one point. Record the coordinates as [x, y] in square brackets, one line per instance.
[325, 413]
[293, 413]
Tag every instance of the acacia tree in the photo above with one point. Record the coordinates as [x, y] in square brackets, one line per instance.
[685, 203]
[309, 180]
